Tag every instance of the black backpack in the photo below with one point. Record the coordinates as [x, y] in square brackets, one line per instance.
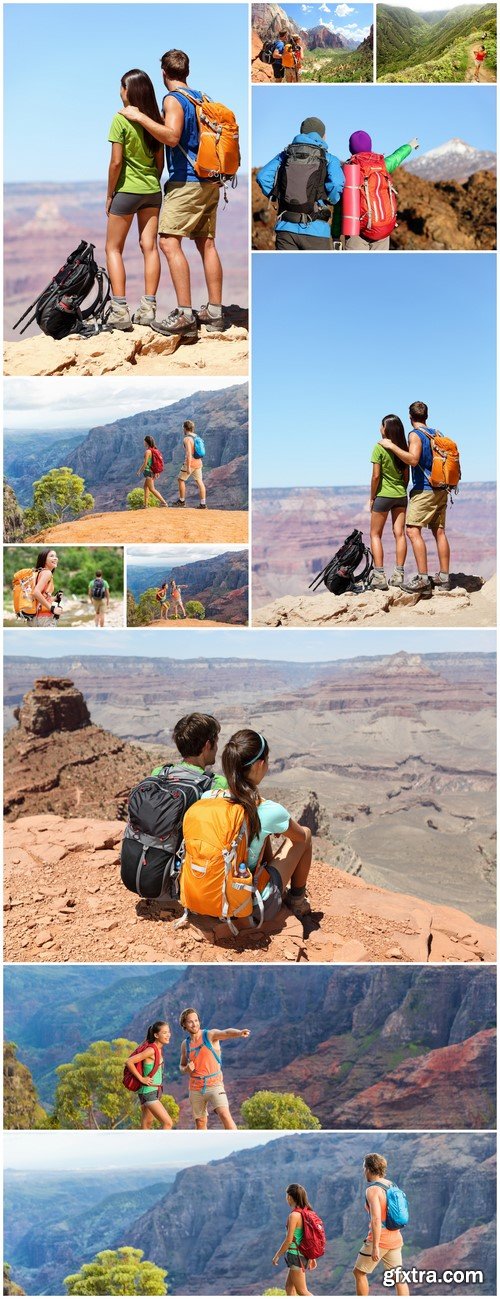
[340, 574]
[153, 835]
[59, 309]
[266, 53]
[98, 588]
[300, 183]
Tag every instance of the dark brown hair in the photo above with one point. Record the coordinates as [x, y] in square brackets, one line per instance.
[42, 559]
[149, 440]
[419, 412]
[299, 1195]
[154, 1029]
[244, 748]
[189, 426]
[190, 1010]
[175, 65]
[394, 430]
[140, 93]
[192, 732]
[376, 1164]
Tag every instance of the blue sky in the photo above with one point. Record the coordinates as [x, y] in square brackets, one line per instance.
[293, 647]
[353, 21]
[63, 64]
[392, 115]
[77, 404]
[338, 344]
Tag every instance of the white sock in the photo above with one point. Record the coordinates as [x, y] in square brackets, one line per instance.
[186, 311]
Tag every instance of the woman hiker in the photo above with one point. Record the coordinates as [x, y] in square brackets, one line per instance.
[134, 189]
[296, 1281]
[148, 473]
[151, 1062]
[388, 496]
[48, 611]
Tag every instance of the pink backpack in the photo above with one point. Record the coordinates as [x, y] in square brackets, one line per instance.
[313, 1241]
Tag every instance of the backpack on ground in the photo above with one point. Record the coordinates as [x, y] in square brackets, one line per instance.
[129, 1080]
[300, 183]
[218, 156]
[59, 309]
[198, 447]
[153, 835]
[214, 881]
[446, 471]
[23, 593]
[340, 575]
[378, 217]
[397, 1211]
[98, 588]
[313, 1241]
[157, 461]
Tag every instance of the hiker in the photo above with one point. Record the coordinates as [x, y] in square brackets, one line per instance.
[148, 472]
[382, 1243]
[48, 611]
[298, 53]
[202, 1061]
[479, 57]
[304, 177]
[133, 189]
[427, 505]
[277, 57]
[196, 738]
[388, 496]
[163, 600]
[98, 592]
[191, 468]
[289, 64]
[190, 204]
[297, 1263]
[245, 763]
[151, 1059]
[378, 214]
[175, 592]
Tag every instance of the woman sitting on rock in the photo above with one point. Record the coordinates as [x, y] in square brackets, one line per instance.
[134, 189]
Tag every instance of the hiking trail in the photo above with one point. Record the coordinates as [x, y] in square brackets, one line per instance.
[485, 74]
[189, 525]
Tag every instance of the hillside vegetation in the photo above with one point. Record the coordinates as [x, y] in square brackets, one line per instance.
[434, 47]
[338, 65]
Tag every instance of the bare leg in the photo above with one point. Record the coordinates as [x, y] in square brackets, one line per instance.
[213, 269]
[298, 1279]
[146, 1118]
[182, 489]
[377, 525]
[226, 1119]
[398, 528]
[443, 549]
[402, 1288]
[178, 266]
[154, 492]
[201, 1124]
[202, 491]
[117, 231]
[361, 1279]
[289, 1286]
[420, 552]
[293, 862]
[147, 219]
[158, 1111]
[146, 492]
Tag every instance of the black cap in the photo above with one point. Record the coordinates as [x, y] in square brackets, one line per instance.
[311, 124]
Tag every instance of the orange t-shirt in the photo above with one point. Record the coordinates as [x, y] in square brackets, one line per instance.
[388, 1239]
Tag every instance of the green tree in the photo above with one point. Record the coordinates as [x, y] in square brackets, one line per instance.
[59, 494]
[21, 1106]
[135, 500]
[118, 1271]
[273, 1291]
[278, 1110]
[147, 608]
[90, 1092]
[195, 609]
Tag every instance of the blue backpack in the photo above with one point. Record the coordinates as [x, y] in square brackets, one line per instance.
[199, 447]
[397, 1212]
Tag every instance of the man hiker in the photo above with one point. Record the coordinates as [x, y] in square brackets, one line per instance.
[190, 205]
[381, 1243]
[191, 468]
[289, 63]
[98, 593]
[277, 57]
[196, 737]
[376, 169]
[304, 177]
[426, 506]
[201, 1060]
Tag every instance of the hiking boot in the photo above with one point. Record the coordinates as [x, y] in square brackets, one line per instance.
[420, 585]
[179, 505]
[119, 317]
[177, 325]
[202, 505]
[145, 313]
[378, 581]
[213, 324]
[397, 577]
[442, 580]
[298, 906]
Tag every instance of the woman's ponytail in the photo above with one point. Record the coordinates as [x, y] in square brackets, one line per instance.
[243, 749]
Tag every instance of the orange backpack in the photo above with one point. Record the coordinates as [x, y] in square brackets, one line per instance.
[218, 156]
[23, 588]
[445, 470]
[215, 879]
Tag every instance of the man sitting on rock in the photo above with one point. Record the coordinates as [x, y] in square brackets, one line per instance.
[427, 505]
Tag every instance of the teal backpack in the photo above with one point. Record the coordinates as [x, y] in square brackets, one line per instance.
[397, 1211]
[199, 447]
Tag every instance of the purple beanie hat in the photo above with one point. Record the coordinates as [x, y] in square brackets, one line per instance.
[360, 142]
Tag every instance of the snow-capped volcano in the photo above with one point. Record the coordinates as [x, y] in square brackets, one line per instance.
[453, 160]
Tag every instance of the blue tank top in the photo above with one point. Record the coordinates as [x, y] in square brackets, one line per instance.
[179, 167]
[418, 477]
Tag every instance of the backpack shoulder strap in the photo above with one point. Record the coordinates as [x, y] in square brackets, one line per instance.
[210, 1046]
[158, 1056]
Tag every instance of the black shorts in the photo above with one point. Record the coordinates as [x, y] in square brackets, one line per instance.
[293, 1259]
[124, 204]
[278, 69]
[384, 504]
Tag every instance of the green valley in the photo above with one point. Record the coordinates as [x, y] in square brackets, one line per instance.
[436, 46]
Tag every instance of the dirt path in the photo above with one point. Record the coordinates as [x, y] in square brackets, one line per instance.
[485, 74]
[151, 525]
[166, 624]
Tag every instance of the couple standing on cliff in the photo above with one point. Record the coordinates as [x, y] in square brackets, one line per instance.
[140, 137]
[200, 1059]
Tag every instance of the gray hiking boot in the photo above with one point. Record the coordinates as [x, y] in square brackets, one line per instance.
[177, 325]
[213, 324]
[119, 317]
[397, 577]
[145, 313]
[298, 906]
[420, 585]
[378, 581]
[442, 580]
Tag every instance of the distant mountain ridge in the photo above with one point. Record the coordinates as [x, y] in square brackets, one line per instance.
[430, 46]
[453, 160]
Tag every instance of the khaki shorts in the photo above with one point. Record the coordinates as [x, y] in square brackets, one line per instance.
[391, 1258]
[427, 510]
[214, 1098]
[189, 209]
[184, 474]
[99, 605]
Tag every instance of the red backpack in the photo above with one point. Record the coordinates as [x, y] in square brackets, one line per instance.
[157, 464]
[378, 197]
[313, 1241]
[129, 1080]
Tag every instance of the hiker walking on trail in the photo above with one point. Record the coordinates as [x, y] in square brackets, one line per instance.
[134, 190]
[388, 496]
[175, 592]
[146, 1064]
[427, 505]
[191, 468]
[190, 202]
[304, 1241]
[152, 465]
[98, 593]
[387, 1207]
[479, 57]
[201, 1060]
[304, 178]
[48, 611]
[377, 196]
[277, 57]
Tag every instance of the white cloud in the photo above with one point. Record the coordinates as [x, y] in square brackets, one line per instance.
[323, 9]
[306, 9]
[343, 10]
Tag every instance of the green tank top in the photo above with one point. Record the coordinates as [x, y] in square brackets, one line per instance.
[297, 1237]
[154, 1079]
